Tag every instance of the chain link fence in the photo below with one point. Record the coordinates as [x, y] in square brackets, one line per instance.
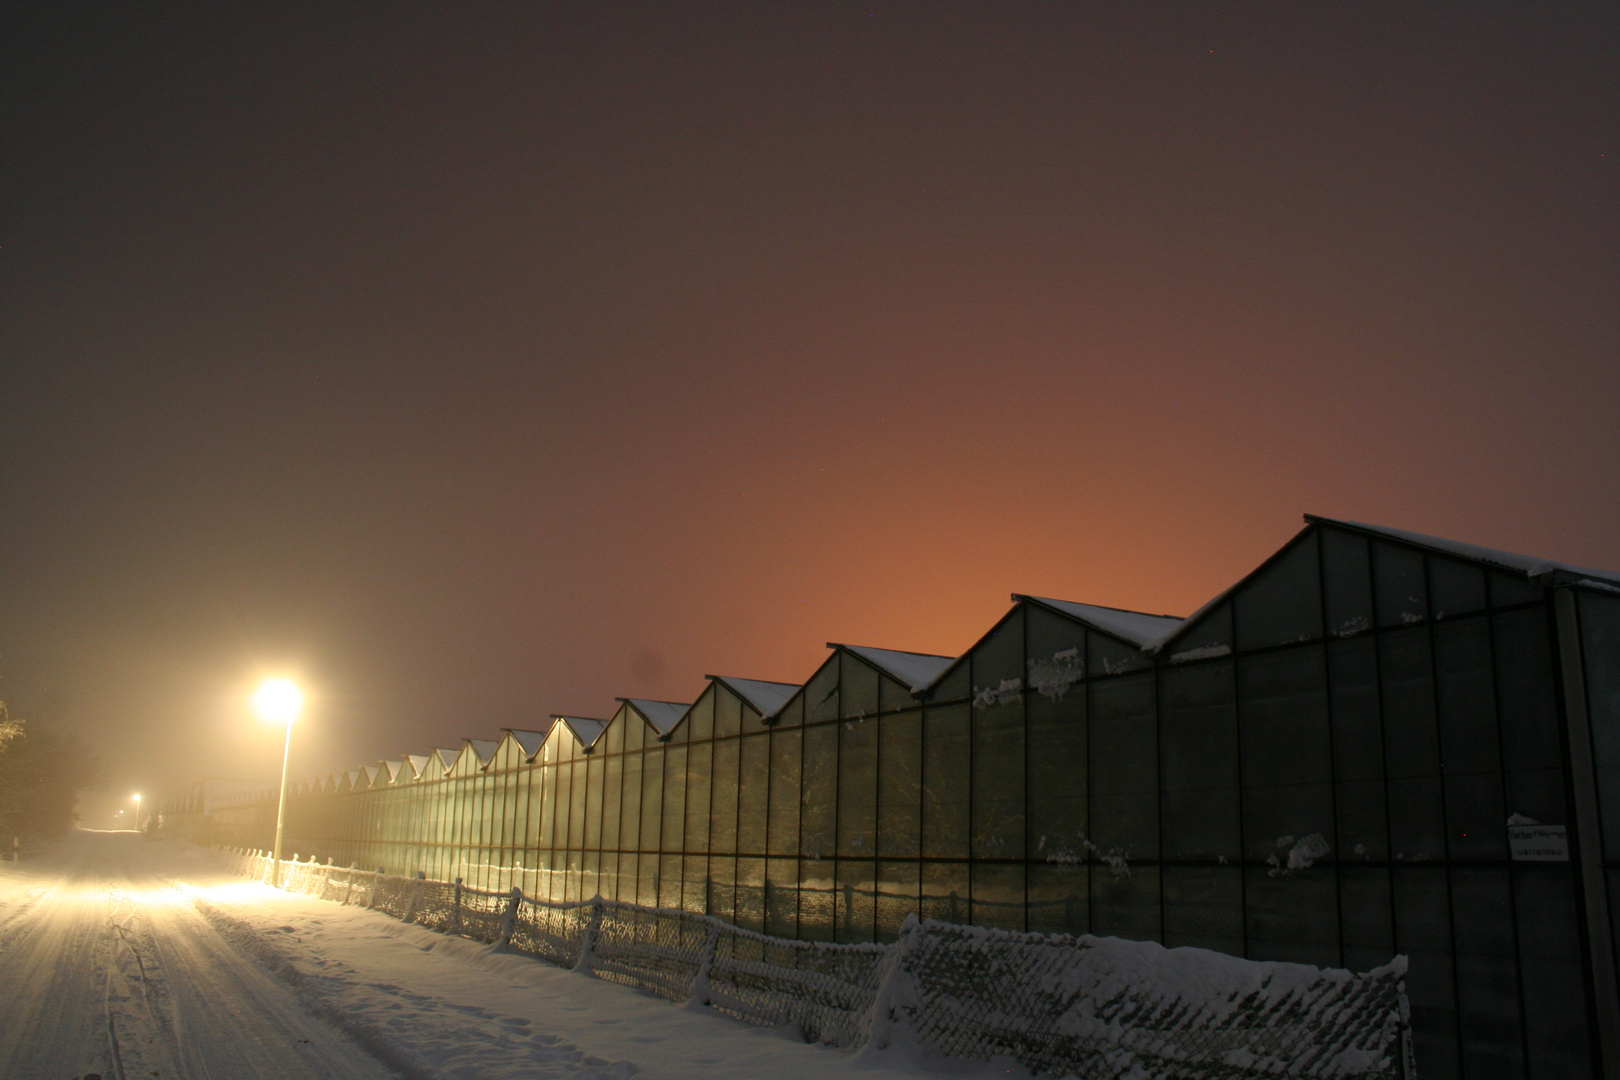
[1098, 1008]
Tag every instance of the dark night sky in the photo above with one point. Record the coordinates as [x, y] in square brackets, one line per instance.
[474, 362]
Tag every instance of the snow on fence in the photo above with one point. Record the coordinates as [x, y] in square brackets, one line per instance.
[1100, 1008]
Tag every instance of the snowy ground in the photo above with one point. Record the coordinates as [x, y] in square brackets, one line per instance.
[131, 958]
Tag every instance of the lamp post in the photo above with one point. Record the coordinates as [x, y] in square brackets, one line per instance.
[280, 701]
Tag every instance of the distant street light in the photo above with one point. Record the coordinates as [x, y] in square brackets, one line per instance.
[280, 701]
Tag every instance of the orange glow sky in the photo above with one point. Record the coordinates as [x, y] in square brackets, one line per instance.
[478, 362]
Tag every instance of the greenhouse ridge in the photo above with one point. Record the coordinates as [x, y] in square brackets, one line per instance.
[1376, 743]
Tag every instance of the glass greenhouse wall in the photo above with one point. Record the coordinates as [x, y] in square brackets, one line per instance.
[1375, 744]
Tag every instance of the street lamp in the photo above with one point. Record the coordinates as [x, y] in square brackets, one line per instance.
[279, 701]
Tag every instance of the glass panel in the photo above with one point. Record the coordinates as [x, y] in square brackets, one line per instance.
[1455, 587]
[591, 880]
[752, 721]
[673, 838]
[900, 785]
[998, 781]
[1199, 763]
[700, 717]
[998, 660]
[1600, 647]
[696, 884]
[1056, 652]
[792, 714]
[1423, 933]
[1552, 972]
[593, 803]
[723, 837]
[1358, 753]
[630, 805]
[786, 748]
[1125, 902]
[998, 895]
[821, 692]
[750, 911]
[1365, 916]
[753, 786]
[945, 782]
[1487, 978]
[1528, 702]
[1287, 758]
[652, 800]
[613, 792]
[647, 879]
[1509, 589]
[855, 906]
[816, 886]
[1468, 741]
[1057, 777]
[1283, 603]
[954, 686]
[858, 688]
[1211, 636]
[1106, 656]
[1203, 907]
[721, 901]
[607, 885]
[635, 729]
[945, 892]
[565, 802]
[892, 697]
[782, 897]
[576, 808]
[818, 809]
[1398, 585]
[857, 787]
[1411, 744]
[613, 737]
[1059, 898]
[1292, 915]
[897, 889]
[699, 762]
[727, 713]
[1124, 772]
[670, 880]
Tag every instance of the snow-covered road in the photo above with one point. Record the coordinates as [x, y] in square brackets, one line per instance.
[131, 958]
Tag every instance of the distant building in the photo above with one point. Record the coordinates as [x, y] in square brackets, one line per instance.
[1376, 743]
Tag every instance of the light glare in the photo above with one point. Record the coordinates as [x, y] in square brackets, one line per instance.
[279, 700]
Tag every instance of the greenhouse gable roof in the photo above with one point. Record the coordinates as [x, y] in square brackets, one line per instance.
[767, 697]
[529, 742]
[662, 715]
[1137, 627]
[916, 670]
[1528, 565]
[586, 730]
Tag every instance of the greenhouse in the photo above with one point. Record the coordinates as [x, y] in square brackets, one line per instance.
[1376, 743]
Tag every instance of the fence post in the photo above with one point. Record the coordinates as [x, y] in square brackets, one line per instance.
[587, 946]
[509, 918]
[354, 868]
[416, 897]
[700, 981]
[455, 923]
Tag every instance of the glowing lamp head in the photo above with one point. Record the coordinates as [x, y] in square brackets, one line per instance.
[279, 700]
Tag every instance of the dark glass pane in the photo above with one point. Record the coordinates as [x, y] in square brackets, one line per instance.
[630, 805]
[945, 781]
[1411, 743]
[1292, 915]
[612, 793]
[1456, 588]
[1347, 583]
[892, 697]
[652, 802]
[1060, 898]
[1423, 933]
[816, 909]
[854, 904]
[1055, 652]
[818, 808]
[821, 692]
[945, 892]
[1358, 752]
[1600, 649]
[750, 909]
[1532, 748]
[782, 897]
[1365, 917]
[593, 803]
[1210, 636]
[998, 661]
[1125, 903]
[673, 838]
[1106, 656]
[1124, 770]
[1468, 747]
[857, 786]
[1510, 589]
[1552, 972]
[1487, 977]
[1203, 907]
[1283, 602]
[728, 712]
[998, 781]
[900, 785]
[1287, 757]
[699, 722]
[752, 721]
[897, 885]
[723, 832]
[699, 763]
[792, 714]
[1199, 762]
[1398, 585]
[857, 687]
[786, 747]
[753, 786]
[998, 895]
[1058, 825]
[722, 888]
[954, 685]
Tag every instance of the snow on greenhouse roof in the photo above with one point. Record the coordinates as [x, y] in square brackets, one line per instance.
[662, 715]
[1528, 565]
[767, 697]
[529, 742]
[447, 757]
[586, 730]
[915, 669]
[1137, 627]
[484, 748]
